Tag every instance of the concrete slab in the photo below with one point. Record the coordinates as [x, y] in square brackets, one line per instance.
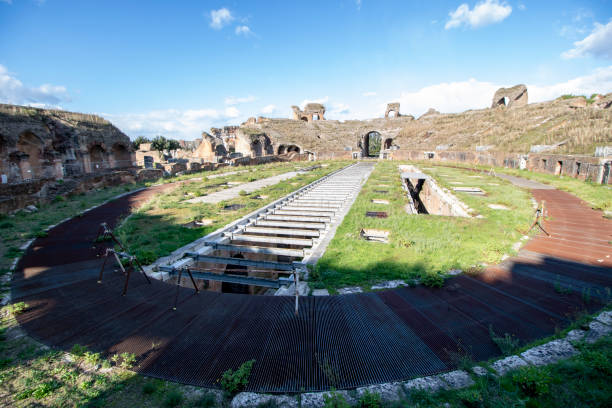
[320, 292]
[596, 331]
[350, 290]
[433, 383]
[549, 353]
[507, 364]
[457, 379]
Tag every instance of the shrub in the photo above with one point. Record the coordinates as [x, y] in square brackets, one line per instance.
[433, 280]
[207, 400]
[127, 360]
[370, 400]
[335, 400]
[18, 308]
[506, 344]
[470, 398]
[173, 399]
[234, 381]
[243, 193]
[149, 388]
[6, 224]
[92, 358]
[78, 350]
[532, 381]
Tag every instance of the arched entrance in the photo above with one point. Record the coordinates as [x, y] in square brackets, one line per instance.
[97, 157]
[30, 155]
[286, 149]
[121, 156]
[257, 148]
[388, 143]
[371, 144]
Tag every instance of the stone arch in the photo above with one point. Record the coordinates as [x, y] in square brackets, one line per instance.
[121, 155]
[97, 157]
[286, 149]
[370, 144]
[256, 148]
[29, 155]
[388, 143]
[393, 110]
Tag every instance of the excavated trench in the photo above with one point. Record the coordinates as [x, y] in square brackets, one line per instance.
[264, 253]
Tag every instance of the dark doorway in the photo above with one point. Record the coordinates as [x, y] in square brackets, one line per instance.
[241, 270]
[372, 144]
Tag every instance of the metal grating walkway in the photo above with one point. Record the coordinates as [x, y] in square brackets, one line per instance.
[339, 341]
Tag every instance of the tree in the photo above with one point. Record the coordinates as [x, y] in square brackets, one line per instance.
[138, 141]
[159, 143]
[172, 145]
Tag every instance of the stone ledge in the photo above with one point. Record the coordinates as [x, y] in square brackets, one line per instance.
[508, 364]
[457, 379]
[549, 353]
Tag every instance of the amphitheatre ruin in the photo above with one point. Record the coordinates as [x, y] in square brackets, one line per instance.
[357, 256]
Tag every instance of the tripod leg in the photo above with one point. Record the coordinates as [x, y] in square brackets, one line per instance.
[193, 280]
[542, 228]
[127, 279]
[102, 269]
[142, 270]
[178, 287]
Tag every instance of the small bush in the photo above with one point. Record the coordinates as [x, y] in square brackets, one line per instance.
[92, 358]
[243, 193]
[532, 381]
[127, 360]
[234, 381]
[149, 388]
[433, 280]
[18, 308]
[335, 400]
[78, 350]
[173, 399]
[6, 224]
[208, 400]
[506, 344]
[471, 398]
[58, 199]
[370, 400]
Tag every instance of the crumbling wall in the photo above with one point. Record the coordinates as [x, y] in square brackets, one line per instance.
[510, 97]
[393, 107]
[53, 144]
[312, 111]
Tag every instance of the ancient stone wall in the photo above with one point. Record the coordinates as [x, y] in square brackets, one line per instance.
[53, 144]
[394, 108]
[510, 97]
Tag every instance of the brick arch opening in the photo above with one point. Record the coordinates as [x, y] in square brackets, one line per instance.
[121, 156]
[97, 157]
[29, 157]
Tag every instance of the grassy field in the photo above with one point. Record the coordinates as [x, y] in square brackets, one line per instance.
[598, 196]
[422, 246]
[158, 227]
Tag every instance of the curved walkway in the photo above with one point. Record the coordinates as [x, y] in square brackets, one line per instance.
[337, 341]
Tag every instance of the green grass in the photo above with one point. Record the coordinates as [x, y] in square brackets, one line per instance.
[598, 196]
[158, 227]
[422, 246]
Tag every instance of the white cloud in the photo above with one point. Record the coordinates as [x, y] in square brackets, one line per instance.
[179, 124]
[599, 81]
[597, 44]
[449, 97]
[319, 100]
[232, 100]
[369, 94]
[484, 13]
[522, 7]
[269, 109]
[13, 91]
[232, 112]
[220, 18]
[339, 109]
[243, 30]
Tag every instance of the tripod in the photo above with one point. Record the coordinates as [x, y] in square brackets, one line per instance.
[106, 234]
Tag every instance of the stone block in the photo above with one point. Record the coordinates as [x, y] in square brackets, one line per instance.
[388, 392]
[549, 353]
[432, 384]
[457, 379]
[252, 399]
[507, 364]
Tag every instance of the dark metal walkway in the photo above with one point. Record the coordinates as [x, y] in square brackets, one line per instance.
[337, 341]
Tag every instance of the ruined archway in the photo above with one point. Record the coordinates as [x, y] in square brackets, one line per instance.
[30, 155]
[97, 157]
[121, 156]
[286, 149]
[388, 143]
[371, 144]
[256, 148]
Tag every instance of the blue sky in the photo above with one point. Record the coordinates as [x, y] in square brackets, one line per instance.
[178, 68]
